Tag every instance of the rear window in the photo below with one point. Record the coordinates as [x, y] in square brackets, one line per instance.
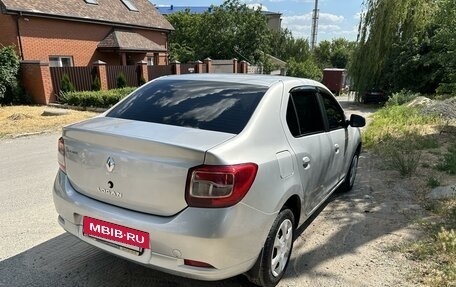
[207, 105]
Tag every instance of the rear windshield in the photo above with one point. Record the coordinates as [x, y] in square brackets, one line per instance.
[208, 105]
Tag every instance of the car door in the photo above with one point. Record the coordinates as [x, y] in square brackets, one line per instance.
[309, 142]
[338, 135]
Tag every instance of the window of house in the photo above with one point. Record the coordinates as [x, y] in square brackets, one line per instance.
[150, 60]
[60, 61]
[94, 2]
[130, 5]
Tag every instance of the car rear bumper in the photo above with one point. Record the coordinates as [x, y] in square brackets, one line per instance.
[230, 239]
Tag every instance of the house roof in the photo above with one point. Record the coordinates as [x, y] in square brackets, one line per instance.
[106, 12]
[129, 41]
[170, 9]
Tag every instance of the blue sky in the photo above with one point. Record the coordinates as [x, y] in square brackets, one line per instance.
[338, 18]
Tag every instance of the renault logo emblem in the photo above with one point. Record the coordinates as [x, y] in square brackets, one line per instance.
[110, 164]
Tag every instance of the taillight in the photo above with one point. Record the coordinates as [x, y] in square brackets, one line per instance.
[61, 154]
[219, 186]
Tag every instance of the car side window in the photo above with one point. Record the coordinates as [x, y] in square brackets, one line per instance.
[303, 114]
[334, 113]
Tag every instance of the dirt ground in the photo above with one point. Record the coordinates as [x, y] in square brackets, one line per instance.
[350, 242]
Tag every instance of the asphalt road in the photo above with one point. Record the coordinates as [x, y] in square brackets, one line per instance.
[341, 247]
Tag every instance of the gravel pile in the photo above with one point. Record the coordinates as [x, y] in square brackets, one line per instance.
[446, 109]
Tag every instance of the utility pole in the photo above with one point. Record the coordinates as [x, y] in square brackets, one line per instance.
[313, 41]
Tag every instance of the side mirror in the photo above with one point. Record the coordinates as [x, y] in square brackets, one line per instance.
[357, 121]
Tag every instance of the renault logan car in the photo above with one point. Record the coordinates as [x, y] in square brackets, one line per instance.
[206, 176]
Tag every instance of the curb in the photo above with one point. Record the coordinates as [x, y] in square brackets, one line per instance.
[77, 108]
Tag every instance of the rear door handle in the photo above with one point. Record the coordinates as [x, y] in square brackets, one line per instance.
[306, 162]
[336, 148]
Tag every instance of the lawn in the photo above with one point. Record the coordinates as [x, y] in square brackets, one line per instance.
[20, 120]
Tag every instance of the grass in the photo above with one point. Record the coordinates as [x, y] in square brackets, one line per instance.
[437, 251]
[398, 121]
[448, 163]
[403, 136]
[17, 120]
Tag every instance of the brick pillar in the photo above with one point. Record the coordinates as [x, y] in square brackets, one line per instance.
[244, 66]
[208, 62]
[235, 66]
[102, 73]
[199, 67]
[143, 71]
[176, 67]
[37, 82]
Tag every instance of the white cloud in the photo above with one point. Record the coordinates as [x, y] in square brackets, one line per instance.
[257, 6]
[329, 25]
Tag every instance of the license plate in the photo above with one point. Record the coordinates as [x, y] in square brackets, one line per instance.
[114, 232]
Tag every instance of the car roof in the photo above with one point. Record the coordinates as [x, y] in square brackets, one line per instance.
[253, 79]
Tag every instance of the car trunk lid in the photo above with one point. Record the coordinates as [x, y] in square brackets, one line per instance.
[135, 165]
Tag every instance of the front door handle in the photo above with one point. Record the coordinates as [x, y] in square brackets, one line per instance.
[336, 148]
[306, 162]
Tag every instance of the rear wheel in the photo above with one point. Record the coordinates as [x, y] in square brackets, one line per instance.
[274, 258]
[351, 175]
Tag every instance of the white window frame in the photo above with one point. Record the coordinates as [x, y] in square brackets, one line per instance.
[130, 5]
[58, 61]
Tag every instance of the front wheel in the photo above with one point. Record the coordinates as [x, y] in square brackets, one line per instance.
[274, 258]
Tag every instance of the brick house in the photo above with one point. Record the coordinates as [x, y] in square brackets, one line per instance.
[80, 32]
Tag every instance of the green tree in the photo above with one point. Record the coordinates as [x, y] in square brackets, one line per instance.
[231, 30]
[306, 69]
[444, 45]
[385, 25]
[9, 70]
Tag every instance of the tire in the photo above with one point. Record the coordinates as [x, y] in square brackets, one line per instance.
[275, 255]
[349, 181]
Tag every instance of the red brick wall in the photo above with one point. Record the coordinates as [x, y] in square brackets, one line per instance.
[8, 34]
[36, 79]
[42, 38]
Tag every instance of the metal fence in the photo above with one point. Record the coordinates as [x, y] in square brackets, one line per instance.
[80, 77]
[158, 71]
[130, 72]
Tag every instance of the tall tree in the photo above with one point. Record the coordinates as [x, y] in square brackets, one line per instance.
[231, 30]
[444, 44]
[384, 24]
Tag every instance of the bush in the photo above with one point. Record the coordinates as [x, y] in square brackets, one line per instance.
[142, 81]
[121, 81]
[401, 98]
[66, 85]
[97, 99]
[9, 71]
[96, 84]
[448, 163]
[401, 154]
[307, 69]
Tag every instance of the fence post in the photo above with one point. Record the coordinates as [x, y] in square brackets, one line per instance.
[102, 73]
[208, 62]
[142, 71]
[235, 66]
[244, 67]
[199, 66]
[36, 80]
[176, 67]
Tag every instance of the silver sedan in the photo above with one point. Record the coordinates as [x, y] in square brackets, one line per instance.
[206, 176]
